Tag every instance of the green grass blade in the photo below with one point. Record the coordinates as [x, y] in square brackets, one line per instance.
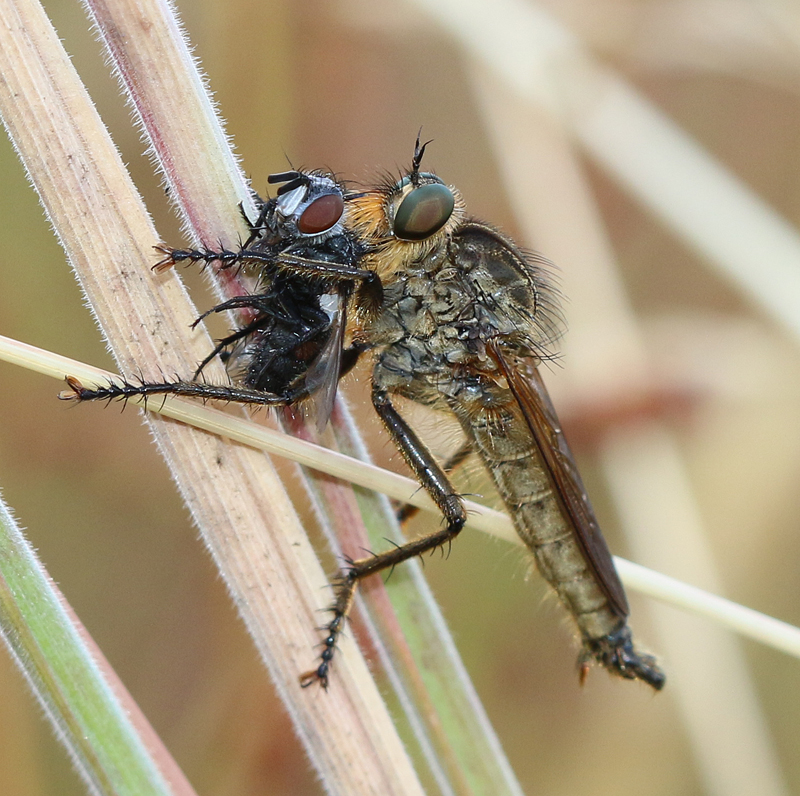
[47, 643]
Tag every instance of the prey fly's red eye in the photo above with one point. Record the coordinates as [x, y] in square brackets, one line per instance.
[321, 214]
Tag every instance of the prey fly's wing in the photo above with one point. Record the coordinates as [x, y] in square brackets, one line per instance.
[534, 401]
[322, 378]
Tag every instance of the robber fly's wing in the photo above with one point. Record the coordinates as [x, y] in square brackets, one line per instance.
[531, 395]
[322, 377]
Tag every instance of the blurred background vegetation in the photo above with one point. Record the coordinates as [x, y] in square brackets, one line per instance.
[347, 84]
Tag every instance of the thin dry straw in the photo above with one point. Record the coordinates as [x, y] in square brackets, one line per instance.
[760, 627]
[729, 738]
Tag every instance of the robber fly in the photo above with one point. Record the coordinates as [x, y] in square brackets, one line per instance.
[457, 318]
[465, 320]
[290, 346]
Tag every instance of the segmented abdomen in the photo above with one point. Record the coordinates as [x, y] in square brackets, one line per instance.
[505, 445]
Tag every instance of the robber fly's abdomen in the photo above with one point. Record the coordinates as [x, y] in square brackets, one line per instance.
[505, 445]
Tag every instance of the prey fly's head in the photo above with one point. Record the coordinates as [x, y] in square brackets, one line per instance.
[309, 205]
[409, 218]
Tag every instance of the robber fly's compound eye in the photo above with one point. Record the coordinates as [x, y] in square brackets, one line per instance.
[424, 210]
[321, 214]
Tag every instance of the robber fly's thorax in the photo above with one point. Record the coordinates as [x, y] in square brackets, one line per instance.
[467, 288]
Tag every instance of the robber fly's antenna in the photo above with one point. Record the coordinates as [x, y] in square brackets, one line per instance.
[419, 151]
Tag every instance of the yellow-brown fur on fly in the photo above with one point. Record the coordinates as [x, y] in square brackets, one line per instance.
[371, 217]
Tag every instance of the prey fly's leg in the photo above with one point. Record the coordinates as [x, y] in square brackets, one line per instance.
[253, 301]
[207, 392]
[350, 357]
[258, 226]
[225, 342]
[436, 483]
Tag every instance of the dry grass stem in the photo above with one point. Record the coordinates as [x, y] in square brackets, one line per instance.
[262, 551]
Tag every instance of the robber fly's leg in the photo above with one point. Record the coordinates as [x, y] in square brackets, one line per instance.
[433, 479]
[407, 511]
[369, 288]
[207, 392]
[436, 483]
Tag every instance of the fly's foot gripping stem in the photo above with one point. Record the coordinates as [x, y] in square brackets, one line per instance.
[75, 391]
[345, 591]
[78, 393]
[224, 257]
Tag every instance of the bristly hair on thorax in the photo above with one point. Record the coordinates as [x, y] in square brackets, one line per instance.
[372, 214]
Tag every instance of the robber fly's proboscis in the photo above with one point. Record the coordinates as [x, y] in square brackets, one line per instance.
[456, 317]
